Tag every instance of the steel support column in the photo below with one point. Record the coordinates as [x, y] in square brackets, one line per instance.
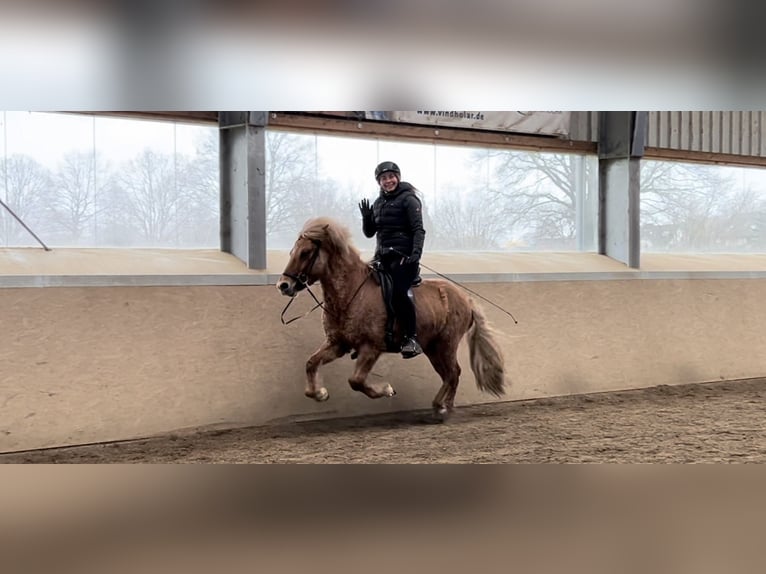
[243, 186]
[620, 146]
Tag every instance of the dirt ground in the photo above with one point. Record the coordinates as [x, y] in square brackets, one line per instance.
[700, 423]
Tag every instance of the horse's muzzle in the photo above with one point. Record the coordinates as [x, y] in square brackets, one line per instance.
[285, 288]
[290, 287]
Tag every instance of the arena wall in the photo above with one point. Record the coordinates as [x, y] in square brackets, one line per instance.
[84, 361]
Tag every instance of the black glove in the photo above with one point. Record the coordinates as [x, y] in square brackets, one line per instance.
[405, 260]
[365, 209]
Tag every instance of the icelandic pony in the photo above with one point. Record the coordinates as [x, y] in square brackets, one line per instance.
[354, 318]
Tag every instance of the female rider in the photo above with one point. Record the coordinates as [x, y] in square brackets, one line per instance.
[396, 218]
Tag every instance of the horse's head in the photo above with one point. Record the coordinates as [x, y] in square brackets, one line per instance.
[304, 267]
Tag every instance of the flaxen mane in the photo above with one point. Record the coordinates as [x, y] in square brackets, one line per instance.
[336, 238]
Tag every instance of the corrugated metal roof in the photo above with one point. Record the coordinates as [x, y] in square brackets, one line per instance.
[738, 133]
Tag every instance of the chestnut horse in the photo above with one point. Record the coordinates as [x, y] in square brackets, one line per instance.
[354, 318]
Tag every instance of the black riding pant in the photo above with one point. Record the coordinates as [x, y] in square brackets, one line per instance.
[402, 277]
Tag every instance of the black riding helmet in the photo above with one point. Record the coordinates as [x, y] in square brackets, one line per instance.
[387, 166]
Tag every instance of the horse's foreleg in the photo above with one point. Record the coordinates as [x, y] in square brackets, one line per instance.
[326, 353]
[358, 380]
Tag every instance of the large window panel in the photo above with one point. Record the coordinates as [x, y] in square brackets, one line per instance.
[45, 177]
[85, 181]
[539, 201]
[473, 199]
[696, 208]
[158, 184]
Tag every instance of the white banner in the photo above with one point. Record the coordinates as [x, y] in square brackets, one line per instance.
[548, 123]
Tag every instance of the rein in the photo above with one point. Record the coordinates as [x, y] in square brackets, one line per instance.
[290, 302]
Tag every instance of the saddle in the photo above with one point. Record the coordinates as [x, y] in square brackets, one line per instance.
[383, 278]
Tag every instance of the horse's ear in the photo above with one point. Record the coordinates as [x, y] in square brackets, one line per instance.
[326, 227]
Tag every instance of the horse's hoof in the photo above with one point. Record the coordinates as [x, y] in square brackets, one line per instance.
[388, 391]
[441, 414]
[319, 396]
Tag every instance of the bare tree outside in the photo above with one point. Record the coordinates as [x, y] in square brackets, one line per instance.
[290, 183]
[693, 208]
[26, 186]
[520, 200]
[466, 221]
[296, 191]
[164, 200]
[77, 185]
[149, 197]
[99, 195]
[327, 196]
[74, 203]
[199, 206]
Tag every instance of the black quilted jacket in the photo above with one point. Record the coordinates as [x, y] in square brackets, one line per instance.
[398, 222]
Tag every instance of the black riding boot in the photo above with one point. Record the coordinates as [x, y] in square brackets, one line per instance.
[410, 346]
[402, 277]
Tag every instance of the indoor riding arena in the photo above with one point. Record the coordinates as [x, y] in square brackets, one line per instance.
[620, 258]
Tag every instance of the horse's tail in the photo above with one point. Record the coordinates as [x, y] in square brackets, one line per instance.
[487, 361]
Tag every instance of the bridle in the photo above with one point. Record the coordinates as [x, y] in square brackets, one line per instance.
[303, 278]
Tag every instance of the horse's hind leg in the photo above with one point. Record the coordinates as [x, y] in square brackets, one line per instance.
[444, 361]
[450, 398]
[326, 353]
[358, 380]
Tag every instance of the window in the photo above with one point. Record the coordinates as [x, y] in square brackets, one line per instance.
[696, 208]
[86, 181]
[474, 199]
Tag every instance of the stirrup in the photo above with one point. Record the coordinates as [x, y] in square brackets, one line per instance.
[414, 349]
[410, 354]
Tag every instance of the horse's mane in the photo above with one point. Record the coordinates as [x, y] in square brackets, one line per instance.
[335, 237]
